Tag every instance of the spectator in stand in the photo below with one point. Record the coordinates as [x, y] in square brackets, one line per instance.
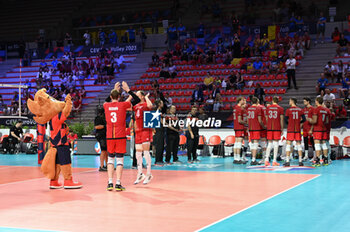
[232, 79]
[87, 38]
[120, 62]
[209, 103]
[182, 32]
[200, 30]
[169, 100]
[172, 70]
[172, 35]
[257, 66]
[340, 71]
[236, 46]
[155, 85]
[321, 27]
[155, 59]
[307, 40]
[259, 93]
[2, 104]
[343, 45]
[68, 39]
[82, 92]
[77, 103]
[202, 115]
[101, 37]
[165, 71]
[247, 52]
[344, 90]
[224, 84]
[321, 84]
[290, 65]
[335, 35]
[299, 24]
[239, 81]
[43, 64]
[330, 97]
[265, 43]
[54, 64]
[143, 37]
[39, 78]
[218, 103]
[131, 33]
[197, 95]
[330, 71]
[215, 91]
[341, 112]
[113, 38]
[124, 38]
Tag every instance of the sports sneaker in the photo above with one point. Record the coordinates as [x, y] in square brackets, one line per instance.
[301, 164]
[325, 162]
[267, 163]
[254, 163]
[237, 162]
[119, 188]
[140, 177]
[196, 161]
[102, 169]
[148, 179]
[54, 184]
[244, 161]
[261, 161]
[160, 164]
[177, 162]
[305, 158]
[275, 164]
[70, 184]
[286, 164]
[109, 187]
[316, 163]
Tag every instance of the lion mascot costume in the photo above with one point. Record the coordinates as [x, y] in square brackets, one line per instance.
[57, 159]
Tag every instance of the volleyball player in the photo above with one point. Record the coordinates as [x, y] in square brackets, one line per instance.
[331, 116]
[319, 121]
[275, 124]
[294, 117]
[115, 112]
[307, 136]
[263, 132]
[239, 127]
[255, 125]
[142, 138]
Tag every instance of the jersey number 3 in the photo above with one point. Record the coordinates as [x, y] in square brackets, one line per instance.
[113, 117]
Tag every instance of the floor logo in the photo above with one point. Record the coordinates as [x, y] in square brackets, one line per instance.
[280, 168]
[151, 119]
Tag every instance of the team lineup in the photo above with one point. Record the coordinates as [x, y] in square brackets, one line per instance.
[262, 125]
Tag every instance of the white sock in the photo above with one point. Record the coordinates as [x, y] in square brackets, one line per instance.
[267, 155]
[306, 153]
[287, 157]
[275, 151]
[148, 161]
[300, 158]
[117, 182]
[110, 181]
[139, 161]
[253, 159]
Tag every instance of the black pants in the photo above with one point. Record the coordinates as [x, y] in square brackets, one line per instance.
[306, 143]
[192, 145]
[158, 140]
[172, 147]
[291, 75]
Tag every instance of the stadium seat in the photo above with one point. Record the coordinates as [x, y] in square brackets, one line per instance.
[346, 142]
[202, 140]
[214, 140]
[229, 141]
[227, 107]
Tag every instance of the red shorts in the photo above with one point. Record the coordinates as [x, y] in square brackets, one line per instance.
[319, 135]
[254, 135]
[274, 135]
[116, 146]
[326, 135]
[143, 136]
[306, 132]
[263, 133]
[240, 133]
[293, 136]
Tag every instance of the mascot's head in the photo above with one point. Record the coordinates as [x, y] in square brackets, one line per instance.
[44, 107]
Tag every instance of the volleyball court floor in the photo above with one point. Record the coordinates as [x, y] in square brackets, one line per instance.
[213, 195]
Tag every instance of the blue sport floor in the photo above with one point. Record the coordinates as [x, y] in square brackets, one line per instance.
[321, 204]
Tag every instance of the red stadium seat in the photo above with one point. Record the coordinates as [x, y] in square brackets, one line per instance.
[346, 142]
[214, 140]
[202, 140]
[183, 140]
[229, 141]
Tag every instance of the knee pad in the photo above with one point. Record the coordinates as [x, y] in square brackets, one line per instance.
[275, 144]
[263, 144]
[317, 147]
[299, 147]
[120, 161]
[256, 145]
[270, 145]
[238, 145]
[288, 147]
[324, 146]
[111, 160]
[252, 146]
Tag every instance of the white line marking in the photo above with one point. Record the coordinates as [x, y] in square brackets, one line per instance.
[22, 181]
[255, 204]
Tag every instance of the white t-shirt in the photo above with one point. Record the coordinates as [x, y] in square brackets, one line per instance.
[120, 60]
[87, 37]
[330, 68]
[329, 97]
[223, 84]
[290, 63]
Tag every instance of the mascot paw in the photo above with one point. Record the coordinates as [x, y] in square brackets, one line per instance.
[70, 184]
[54, 184]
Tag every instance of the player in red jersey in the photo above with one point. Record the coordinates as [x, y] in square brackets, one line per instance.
[308, 111]
[275, 124]
[239, 127]
[142, 138]
[331, 117]
[115, 113]
[263, 133]
[245, 138]
[255, 125]
[319, 121]
[294, 118]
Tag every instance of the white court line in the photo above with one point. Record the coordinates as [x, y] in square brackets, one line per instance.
[7, 167]
[22, 181]
[255, 204]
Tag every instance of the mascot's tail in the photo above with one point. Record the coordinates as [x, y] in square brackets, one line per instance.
[48, 166]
